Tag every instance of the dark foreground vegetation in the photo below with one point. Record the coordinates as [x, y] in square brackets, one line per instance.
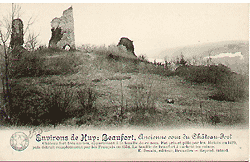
[230, 85]
[45, 90]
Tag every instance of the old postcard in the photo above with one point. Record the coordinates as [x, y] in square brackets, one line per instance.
[124, 81]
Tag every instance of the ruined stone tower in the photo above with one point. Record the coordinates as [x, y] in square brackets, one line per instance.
[17, 33]
[63, 31]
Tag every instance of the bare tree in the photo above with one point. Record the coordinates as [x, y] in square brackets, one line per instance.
[32, 42]
[5, 33]
[209, 59]
[182, 60]
[194, 60]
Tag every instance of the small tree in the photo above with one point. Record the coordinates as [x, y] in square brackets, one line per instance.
[183, 61]
[194, 60]
[5, 34]
[166, 64]
[32, 43]
[177, 61]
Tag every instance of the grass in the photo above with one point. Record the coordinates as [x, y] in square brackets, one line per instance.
[39, 63]
[230, 86]
[200, 74]
[109, 86]
[43, 105]
[146, 67]
[143, 104]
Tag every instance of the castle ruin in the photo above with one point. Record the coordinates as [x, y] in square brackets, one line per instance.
[63, 31]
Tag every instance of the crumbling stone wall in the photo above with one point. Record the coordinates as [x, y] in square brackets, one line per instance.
[17, 33]
[16, 41]
[63, 31]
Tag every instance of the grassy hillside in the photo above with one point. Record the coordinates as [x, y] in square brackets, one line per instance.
[107, 86]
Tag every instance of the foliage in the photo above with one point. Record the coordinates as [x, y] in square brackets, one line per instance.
[33, 64]
[143, 110]
[202, 74]
[87, 98]
[234, 87]
[28, 65]
[182, 61]
[88, 111]
[32, 42]
[86, 48]
[230, 86]
[46, 105]
[115, 59]
[150, 68]
[119, 51]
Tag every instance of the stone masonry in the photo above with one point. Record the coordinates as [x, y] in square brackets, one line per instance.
[63, 31]
[17, 33]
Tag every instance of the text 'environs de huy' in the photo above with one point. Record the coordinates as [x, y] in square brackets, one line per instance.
[123, 137]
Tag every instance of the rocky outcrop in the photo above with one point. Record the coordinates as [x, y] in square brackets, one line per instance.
[63, 31]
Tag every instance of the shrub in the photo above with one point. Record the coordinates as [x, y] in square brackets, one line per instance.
[87, 98]
[64, 64]
[31, 106]
[232, 87]
[87, 48]
[57, 104]
[87, 111]
[149, 68]
[143, 110]
[32, 64]
[45, 51]
[115, 59]
[29, 64]
[142, 58]
[116, 51]
[202, 74]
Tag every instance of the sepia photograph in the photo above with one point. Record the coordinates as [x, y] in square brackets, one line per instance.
[124, 81]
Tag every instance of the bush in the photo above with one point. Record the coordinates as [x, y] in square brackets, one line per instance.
[57, 105]
[121, 64]
[203, 74]
[87, 48]
[149, 68]
[143, 110]
[88, 111]
[116, 51]
[28, 65]
[115, 59]
[34, 64]
[45, 51]
[87, 98]
[64, 64]
[232, 87]
[31, 106]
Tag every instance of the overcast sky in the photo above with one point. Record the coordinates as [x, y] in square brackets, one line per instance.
[150, 26]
